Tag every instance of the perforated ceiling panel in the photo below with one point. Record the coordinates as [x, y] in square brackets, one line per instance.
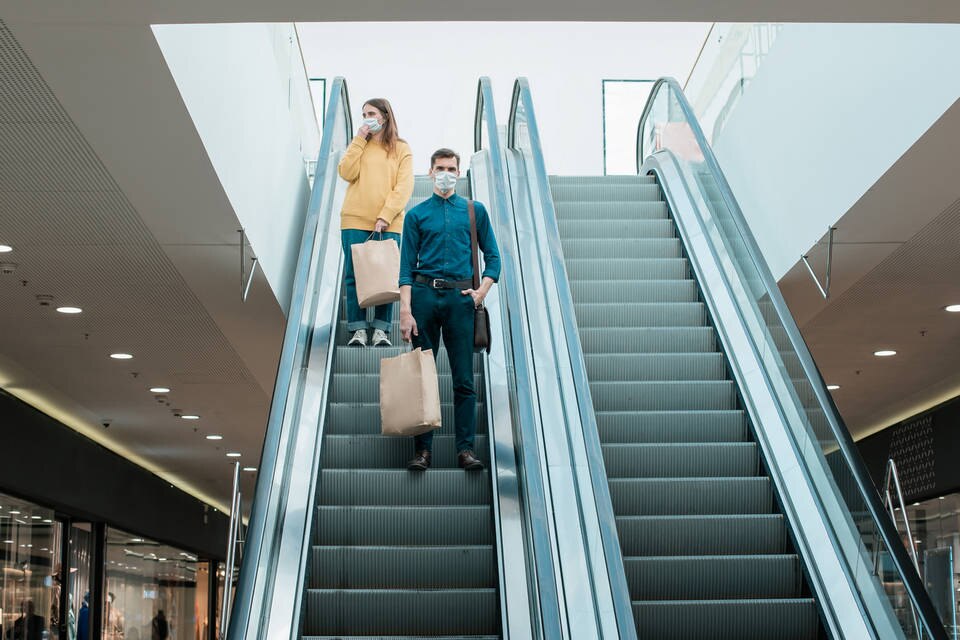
[78, 241]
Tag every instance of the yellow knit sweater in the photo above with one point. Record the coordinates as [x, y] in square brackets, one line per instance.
[380, 185]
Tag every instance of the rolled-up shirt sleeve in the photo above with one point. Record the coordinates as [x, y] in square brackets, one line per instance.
[488, 244]
[409, 251]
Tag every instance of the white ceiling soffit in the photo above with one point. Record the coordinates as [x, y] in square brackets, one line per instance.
[896, 264]
[161, 285]
[188, 11]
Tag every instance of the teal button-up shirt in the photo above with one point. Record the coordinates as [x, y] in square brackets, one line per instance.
[436, 241]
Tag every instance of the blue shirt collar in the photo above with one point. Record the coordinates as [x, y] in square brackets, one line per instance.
[454, 199]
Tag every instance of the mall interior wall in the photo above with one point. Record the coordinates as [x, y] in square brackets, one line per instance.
[832, 107]
[49, 463]
[245, 89]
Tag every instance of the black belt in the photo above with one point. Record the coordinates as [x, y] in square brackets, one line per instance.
[439, 283]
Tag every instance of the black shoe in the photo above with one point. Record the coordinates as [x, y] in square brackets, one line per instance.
[420, 462]
[469, 461]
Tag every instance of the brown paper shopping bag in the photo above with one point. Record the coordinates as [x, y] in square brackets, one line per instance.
[409, 394]
[376, 264]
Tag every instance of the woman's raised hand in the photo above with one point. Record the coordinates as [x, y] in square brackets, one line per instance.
[364, 131]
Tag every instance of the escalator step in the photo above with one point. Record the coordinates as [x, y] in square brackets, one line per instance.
[364, 418]
[688, 460]
[604, 180]
[468, 567]
[638, 315]
[660, 366]
[610, 211]
[793, 619]
[660, 396]
[629, 269]
[671, 426]
[342, 336]
[353, 360]
[702, 535]
[691, 496]
[414, 526]
[633, 292]
[363, 388]
[626, 228]
[395, 637]
[667, 339]
[379, 452]
[401, 612]
[397, 487]
[587, 192]
[713, 577]
[622, 248]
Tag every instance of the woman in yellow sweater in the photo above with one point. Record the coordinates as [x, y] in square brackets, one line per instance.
[379, 167]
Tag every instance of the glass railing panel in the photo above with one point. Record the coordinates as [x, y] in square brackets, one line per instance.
[818, 432]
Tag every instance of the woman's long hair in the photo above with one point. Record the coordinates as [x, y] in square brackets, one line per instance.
[388, 135]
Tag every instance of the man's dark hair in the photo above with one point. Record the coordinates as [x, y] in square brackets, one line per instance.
[444, 153]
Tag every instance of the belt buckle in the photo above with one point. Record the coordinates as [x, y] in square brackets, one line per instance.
[436, 283]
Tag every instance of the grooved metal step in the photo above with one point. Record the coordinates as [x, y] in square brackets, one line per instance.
[632, 292]
[399, 487]
[688, 460]
[586, 192]
[626, 228]
[702, 535]
[748, 619]
[610, 367]
[671, 426]
[691, 496]
[667, 339]
[380, 452]
[614, 315]
[406, 526]
[401, 611]
[467, 567]
[627, 269]
[610, 211]
[353, 360]
[659, 396]
[362, 388]
[713, 577]
[364, 418]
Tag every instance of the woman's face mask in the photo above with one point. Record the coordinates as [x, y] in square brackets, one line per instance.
[373, 123]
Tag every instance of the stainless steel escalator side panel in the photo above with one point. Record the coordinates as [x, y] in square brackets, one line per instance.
[516, 573]
[836, 590]
[270, 585]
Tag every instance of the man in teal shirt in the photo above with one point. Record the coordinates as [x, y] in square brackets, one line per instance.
[436, 294]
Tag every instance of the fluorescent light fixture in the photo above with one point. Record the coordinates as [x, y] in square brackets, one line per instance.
[137, 540]
[121, 356]
[5, 248]
[69, 310]
[159, 390]
[190, 416]
[214, 436]
[885, 353]
[249, 468]
[833, 387]
[234, 454]
[8, 542]
[16, 513]
[48, 521]
[952, 308]
[36, 517]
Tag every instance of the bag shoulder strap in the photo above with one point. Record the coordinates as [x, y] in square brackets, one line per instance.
[474, 252]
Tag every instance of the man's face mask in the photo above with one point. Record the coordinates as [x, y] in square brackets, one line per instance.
[445, 180]
[373, 123]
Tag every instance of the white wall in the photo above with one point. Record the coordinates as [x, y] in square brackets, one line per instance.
[830, 110]
[245, 89]
[429, 72]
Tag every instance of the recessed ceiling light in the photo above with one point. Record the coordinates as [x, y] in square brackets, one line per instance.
[121, 356]
[234, 454]
[833, 387]
[214, 436]
[69, 310]
[5, 248]
[952, 308]
[159, 390]
[885, 353]
[249, 468]
[190, 416]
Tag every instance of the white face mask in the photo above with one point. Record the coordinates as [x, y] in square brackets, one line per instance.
[444, 180]
[373, 123]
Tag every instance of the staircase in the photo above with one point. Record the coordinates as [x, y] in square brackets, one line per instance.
[398, 554]
[706, 552]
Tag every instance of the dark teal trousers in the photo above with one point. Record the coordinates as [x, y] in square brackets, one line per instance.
[447, 313]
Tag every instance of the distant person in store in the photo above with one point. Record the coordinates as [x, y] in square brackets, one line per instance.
[29, 626]
[437, 296]
[159, 629]
[83, 618]
[379, 167]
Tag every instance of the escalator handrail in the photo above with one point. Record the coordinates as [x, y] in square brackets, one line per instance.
[261, 544]
[548, 612]
[846, 446]
[613, 555]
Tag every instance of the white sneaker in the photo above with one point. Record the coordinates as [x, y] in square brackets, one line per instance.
[359, 338]
[380, 339]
